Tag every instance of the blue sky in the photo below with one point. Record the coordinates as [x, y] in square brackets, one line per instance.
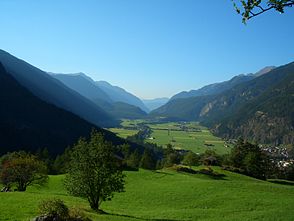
[152, 48]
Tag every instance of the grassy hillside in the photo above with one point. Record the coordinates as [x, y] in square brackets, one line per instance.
[167, 195]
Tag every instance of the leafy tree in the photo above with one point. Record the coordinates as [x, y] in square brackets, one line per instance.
[170, 156]
[60, 164]
[250, 158]
[191, 159]
[210, 158]
[251, 8]
[22, 169]
[290, 172]
[94, 171]
[133, 160]
[126, 150]
[148, 160]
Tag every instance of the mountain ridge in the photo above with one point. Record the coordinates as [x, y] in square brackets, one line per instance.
[91, 90]
[29, 123]
[49, 89]
[227, 112]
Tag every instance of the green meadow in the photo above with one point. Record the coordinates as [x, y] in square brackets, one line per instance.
[168, 195]
[123, 132]
[194, 137]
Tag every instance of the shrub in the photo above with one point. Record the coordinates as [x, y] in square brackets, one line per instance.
[77, 213]
[54, 208]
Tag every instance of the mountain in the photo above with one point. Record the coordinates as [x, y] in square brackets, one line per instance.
[91, 90]
[153, 104]
[118, 94]
[264, 71]
[215, 88]
[260, 109]
[29, 123]
[124, 111]
[53, 91]
[182, 109]
[84, 85]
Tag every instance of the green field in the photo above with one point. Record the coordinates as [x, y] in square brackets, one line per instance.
[194, 137]
[168, 195]
[124, 133]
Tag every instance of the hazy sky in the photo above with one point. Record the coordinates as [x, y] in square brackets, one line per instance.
[152, 48]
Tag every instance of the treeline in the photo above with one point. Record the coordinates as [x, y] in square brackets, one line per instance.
[245, 158]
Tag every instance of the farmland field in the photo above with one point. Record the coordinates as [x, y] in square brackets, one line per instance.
[188, 136]
[168, 195]
[123, 132]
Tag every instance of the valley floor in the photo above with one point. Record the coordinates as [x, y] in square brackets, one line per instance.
[168, 195]
[186, 136]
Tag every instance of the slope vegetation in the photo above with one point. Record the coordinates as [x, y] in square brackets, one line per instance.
[168, 195]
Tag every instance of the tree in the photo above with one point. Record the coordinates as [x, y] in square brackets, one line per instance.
[251, 8]
[94, 171]
[171, 156]
[133, 160]
[148, 160]
[250, 158]
[60, 164]
[191, 159]
[22, 169]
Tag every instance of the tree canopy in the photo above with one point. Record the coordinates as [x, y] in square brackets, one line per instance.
[94, 170]
[251, 8]
[250, 159]
[22, 169]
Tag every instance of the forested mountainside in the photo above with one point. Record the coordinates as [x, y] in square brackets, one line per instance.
[118, 94]
[29, 123]
[54, 92]
[260, 109]
[105, 99]
[217, 88]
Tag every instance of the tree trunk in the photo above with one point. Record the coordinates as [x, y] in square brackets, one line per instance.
[94, 204]
[21, 187]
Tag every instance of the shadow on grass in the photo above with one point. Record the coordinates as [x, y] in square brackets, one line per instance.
[213, 175]
[164, 174]
[208, 172]
[282, 182]
[140, 218]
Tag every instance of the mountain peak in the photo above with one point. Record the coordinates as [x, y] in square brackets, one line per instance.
[264, 70]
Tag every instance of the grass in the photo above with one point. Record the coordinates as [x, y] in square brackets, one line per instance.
[168, 195]
[124, 133]
[195, 137]
[194, 141]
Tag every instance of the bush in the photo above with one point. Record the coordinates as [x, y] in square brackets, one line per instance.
[210, 172]
[185, 170]
[54, 208]
[77, 213]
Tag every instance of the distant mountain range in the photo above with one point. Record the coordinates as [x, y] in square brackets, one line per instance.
[112, 99]
[223, 86]
[118, 94]
[258, 107]
[153, 104]
[52, 110]
[54, 92]
[28, 122]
